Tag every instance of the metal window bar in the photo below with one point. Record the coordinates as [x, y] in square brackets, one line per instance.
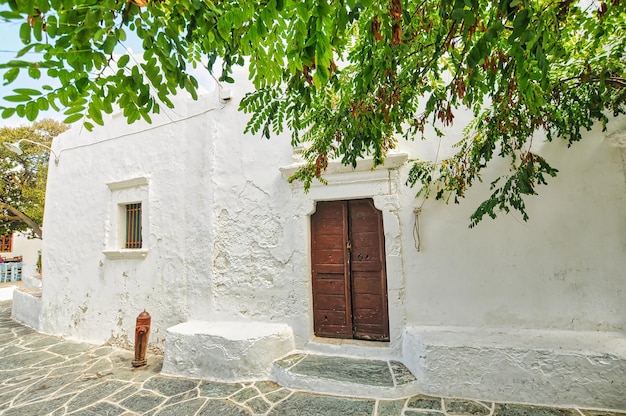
[133, 226]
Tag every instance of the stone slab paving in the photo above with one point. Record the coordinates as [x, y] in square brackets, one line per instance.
[360, 371]
[45, 375]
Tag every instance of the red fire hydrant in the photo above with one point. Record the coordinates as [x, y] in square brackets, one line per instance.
[142, 332]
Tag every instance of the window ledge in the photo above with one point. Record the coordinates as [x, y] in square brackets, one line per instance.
[135, 253]
[129, 183]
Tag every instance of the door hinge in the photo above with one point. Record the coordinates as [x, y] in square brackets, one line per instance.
[349, 245]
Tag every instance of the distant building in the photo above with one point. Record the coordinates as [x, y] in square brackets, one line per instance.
[19, 245]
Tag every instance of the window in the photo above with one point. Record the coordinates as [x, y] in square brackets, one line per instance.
[6, 243]
[133, 226]
[127, 223]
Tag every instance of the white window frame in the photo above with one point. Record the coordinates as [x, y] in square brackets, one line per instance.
[128, 191]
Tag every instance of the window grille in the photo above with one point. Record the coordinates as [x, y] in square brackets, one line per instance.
[133, 226]
[6, 243]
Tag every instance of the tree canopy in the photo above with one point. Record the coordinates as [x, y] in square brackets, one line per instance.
[350, 77]
[23, 184]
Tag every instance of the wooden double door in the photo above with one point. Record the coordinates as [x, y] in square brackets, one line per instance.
[349, 277]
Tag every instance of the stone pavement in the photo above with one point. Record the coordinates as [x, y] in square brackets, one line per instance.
[45, 375]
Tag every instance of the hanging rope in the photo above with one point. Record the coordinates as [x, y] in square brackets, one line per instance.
[416, 229]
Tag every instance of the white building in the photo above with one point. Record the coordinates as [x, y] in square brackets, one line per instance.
[509, 310]
[19, 244]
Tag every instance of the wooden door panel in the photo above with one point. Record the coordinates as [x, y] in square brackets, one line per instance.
[365, 238]
[331, 241]
[330, 226]
[367, 266]
[369, 280]
[330, 271]
[330, 257]
[360, 255]
[370, 332]
[331, 302]
[332, 315]
[366, 285]
[349, 279]
[367, 224]
[338, 319]
[367, 301]
[369, 316]
[366, 227]
[330, 286]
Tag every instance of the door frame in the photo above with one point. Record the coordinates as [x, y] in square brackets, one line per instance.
[389, 206]
[336, 272]
[383, 183]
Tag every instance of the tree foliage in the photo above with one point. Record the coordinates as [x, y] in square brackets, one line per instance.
[349, 77]
[23, 184]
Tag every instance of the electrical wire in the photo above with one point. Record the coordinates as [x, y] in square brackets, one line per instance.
[144, 130]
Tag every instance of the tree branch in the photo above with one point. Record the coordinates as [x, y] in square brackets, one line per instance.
[24, 218]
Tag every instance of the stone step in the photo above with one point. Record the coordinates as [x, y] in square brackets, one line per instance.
[344, 376]
[550, 367]
[232, 351]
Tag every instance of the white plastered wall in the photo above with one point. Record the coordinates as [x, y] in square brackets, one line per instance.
[562, 269]
[229, 237]
[94, 296]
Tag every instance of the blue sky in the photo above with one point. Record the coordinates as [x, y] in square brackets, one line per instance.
[10, 44]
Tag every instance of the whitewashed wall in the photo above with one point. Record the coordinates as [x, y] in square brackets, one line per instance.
[92, 297]
[564, 268]
[228, 237]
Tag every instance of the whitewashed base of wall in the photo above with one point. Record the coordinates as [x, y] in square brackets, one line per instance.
[541, 367]
[557, 368]
[27, 306]
[225, 350]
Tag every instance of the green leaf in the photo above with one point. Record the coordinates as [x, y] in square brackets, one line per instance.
[52, 26]
[25, 50]
[27, 91]
[469, 18]
[10, 15]
[17, 98]
[43, 104]
[73, 118]
[11, 75]
[109, 44]
[38, 29]
[77, 108]
[123, 61]
[25, 33]
[32, 110]
[8, 112]
[34, 72]
[93, 17]
[14, 63]
[521, 20]
[95, 114]
[120, 34]
[89, 126]
[457, 14]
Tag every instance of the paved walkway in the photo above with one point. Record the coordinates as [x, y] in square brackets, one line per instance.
[45, 375]
[6, 290]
